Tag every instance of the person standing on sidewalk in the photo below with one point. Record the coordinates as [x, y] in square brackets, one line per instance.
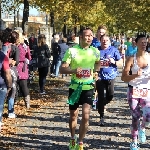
[137, 74]
[56, 56]
[63, 48]
[110, 59]
[42, 55]
[9, 48]
[80, 61]
[5, 82]
[22, 68]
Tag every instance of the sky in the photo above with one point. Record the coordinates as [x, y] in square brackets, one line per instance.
[32, 11]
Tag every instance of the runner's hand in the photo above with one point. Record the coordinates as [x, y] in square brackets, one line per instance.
[78, 70]
[139, 72]
[112, 60]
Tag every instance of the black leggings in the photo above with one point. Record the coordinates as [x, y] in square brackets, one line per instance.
[24, 87]
[42, 77]
[102, 101]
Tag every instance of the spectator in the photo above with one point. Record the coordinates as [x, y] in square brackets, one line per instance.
[72, 41]
[63, 47]
[5, 82]
[32, 41]
[42, 53]
[56, 54]
[23, 71]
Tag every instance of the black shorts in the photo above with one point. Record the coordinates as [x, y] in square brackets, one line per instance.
[85, 97]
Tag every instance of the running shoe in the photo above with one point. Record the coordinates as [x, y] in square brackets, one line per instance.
[134, 146]
[79, 147]
[73, 144]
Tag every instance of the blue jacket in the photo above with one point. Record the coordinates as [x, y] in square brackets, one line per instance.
[63, 47]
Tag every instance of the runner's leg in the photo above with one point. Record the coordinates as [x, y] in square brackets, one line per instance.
[85, 121]
[134, 105]
[73, 121]
[110, 90]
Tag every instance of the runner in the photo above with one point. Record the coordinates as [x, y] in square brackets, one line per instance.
[136, 72]
[110, 59]
[82, 58]
[122, 49]
[100, 32]
[131, 50]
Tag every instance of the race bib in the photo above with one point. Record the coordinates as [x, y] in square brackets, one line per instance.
[85, 73]
[105, 63]
[140, 92]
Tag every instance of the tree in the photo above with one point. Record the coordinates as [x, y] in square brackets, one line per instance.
[25, 16]
[129, 14]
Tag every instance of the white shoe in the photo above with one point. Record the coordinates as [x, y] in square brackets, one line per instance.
[11, 115]
[42, 93]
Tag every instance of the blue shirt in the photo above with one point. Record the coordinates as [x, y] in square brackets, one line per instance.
[95, 43]
[131, 50]
[109, 71]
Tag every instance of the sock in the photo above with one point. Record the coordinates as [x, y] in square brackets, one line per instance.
[80, 143]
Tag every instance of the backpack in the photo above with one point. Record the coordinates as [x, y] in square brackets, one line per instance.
[41, 57]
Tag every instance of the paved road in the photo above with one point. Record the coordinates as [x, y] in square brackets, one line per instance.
[45, 125]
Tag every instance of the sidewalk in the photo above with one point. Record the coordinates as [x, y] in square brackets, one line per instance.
[45, 125]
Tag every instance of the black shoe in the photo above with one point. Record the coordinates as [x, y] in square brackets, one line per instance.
[101, 122]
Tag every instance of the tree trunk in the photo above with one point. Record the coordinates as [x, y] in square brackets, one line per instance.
[25, 16]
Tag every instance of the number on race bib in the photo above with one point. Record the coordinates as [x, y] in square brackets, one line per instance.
[104, 63]
[85, 73]
[140, 93]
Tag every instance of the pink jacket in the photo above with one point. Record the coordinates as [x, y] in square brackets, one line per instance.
[24, 55]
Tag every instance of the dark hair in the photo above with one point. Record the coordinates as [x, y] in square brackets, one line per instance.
[128, 38]
[139, 37]
[41, 40]
[5, 36]
[14, 37]
[83, 29]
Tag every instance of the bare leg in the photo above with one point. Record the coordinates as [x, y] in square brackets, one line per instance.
[85, 121]
[73, 121]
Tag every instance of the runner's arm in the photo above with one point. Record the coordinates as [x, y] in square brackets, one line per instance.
[119, 63]
[65, 68]
[97, 66]
[7, 72]
[125, 73]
